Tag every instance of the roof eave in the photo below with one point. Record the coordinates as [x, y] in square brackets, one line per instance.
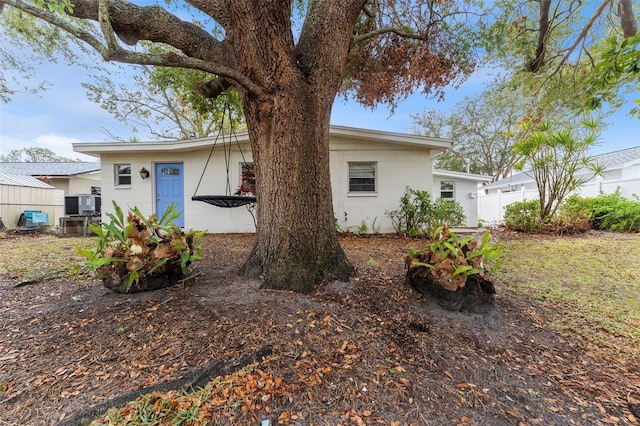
[467, 176]
[98, 148]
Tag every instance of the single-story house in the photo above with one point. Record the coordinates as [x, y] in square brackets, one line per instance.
[621, 170]
[71, 177]
[462, 188]
[369, 172]
[20, 194]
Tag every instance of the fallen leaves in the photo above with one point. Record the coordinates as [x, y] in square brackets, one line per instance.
[368, 352]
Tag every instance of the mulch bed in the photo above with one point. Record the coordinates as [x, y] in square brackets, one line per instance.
[370, 351]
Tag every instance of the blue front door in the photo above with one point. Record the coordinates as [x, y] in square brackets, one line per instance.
[170, 189]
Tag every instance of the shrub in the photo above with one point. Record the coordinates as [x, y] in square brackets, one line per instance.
[613, 212]
[574, 216]
[523, 216]
[419, 215]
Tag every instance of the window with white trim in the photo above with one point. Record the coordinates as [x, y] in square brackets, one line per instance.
[446, 189]
[362, 176]
[122, 174]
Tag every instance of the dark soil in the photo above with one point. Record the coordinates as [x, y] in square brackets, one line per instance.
[370, 351]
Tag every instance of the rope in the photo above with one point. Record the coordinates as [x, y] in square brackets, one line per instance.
[227, 200]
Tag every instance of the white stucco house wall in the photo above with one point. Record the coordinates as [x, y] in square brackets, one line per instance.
[462, 188]
[621, 170]
[369, 172]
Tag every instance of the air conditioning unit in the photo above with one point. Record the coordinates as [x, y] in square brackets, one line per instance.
[82, 205]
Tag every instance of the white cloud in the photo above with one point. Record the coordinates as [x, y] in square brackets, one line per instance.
[54, 141]
[61, 145]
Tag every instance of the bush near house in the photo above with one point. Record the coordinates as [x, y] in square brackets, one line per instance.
[419, 215]
[611, 212]
[523, 216]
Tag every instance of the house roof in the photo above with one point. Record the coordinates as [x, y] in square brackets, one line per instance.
[22, 180]
[97, 148]
[50, 169]
[610, 161]
[464, 176]
[619, 159]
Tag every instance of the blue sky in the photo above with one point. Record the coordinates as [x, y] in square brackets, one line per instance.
[63, 115]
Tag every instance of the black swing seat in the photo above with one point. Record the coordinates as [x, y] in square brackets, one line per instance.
[226, 201]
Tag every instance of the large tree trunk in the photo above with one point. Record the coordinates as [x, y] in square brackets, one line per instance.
[296, 240]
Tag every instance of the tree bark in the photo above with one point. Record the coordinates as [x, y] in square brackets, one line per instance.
[627, 18]
[543, 35]
[296, 241]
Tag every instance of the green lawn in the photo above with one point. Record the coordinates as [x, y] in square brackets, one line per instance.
[40, 257]
[591, 282]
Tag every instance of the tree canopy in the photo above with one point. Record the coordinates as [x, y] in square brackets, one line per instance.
[483, 128]
[165, 103]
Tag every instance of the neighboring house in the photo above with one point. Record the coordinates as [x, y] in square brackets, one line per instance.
[20, 193]
[460, 187]
[369, 171]
[622, 170]
[72, 177]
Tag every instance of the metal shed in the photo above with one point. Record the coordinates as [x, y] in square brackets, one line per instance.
[20, 193]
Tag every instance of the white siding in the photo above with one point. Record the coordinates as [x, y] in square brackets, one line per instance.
[465, 192]
[198, 215]
[82, 184]
[398, 166]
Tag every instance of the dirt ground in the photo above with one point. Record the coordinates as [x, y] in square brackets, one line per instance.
[365, 352]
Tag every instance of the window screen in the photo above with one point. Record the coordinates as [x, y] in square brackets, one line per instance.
[446, 189]
[362, 177]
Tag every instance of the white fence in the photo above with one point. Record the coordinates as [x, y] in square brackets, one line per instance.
[491, 206]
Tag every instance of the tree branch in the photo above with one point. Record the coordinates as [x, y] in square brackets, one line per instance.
[583, 34]
[217, 9]
[112, 51]
[543, 35]
[627, 18]
[386, 30]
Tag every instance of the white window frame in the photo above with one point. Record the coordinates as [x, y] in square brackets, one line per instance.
[117, 175]
[451, 191]
[374, 164]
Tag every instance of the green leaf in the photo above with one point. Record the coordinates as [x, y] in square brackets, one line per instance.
[186, 256]
[461, 269]
[426, 265]
[97, 263]
[133, 276]
[158, 264]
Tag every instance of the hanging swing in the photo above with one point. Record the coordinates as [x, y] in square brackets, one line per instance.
[239, 198]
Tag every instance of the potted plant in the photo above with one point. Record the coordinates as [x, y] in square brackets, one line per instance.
[141, 253]
[455, 271]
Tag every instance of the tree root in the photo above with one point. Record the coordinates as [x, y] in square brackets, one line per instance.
[191, 382]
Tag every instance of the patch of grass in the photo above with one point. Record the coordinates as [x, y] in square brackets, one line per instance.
[40, 258]
[591, 283]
